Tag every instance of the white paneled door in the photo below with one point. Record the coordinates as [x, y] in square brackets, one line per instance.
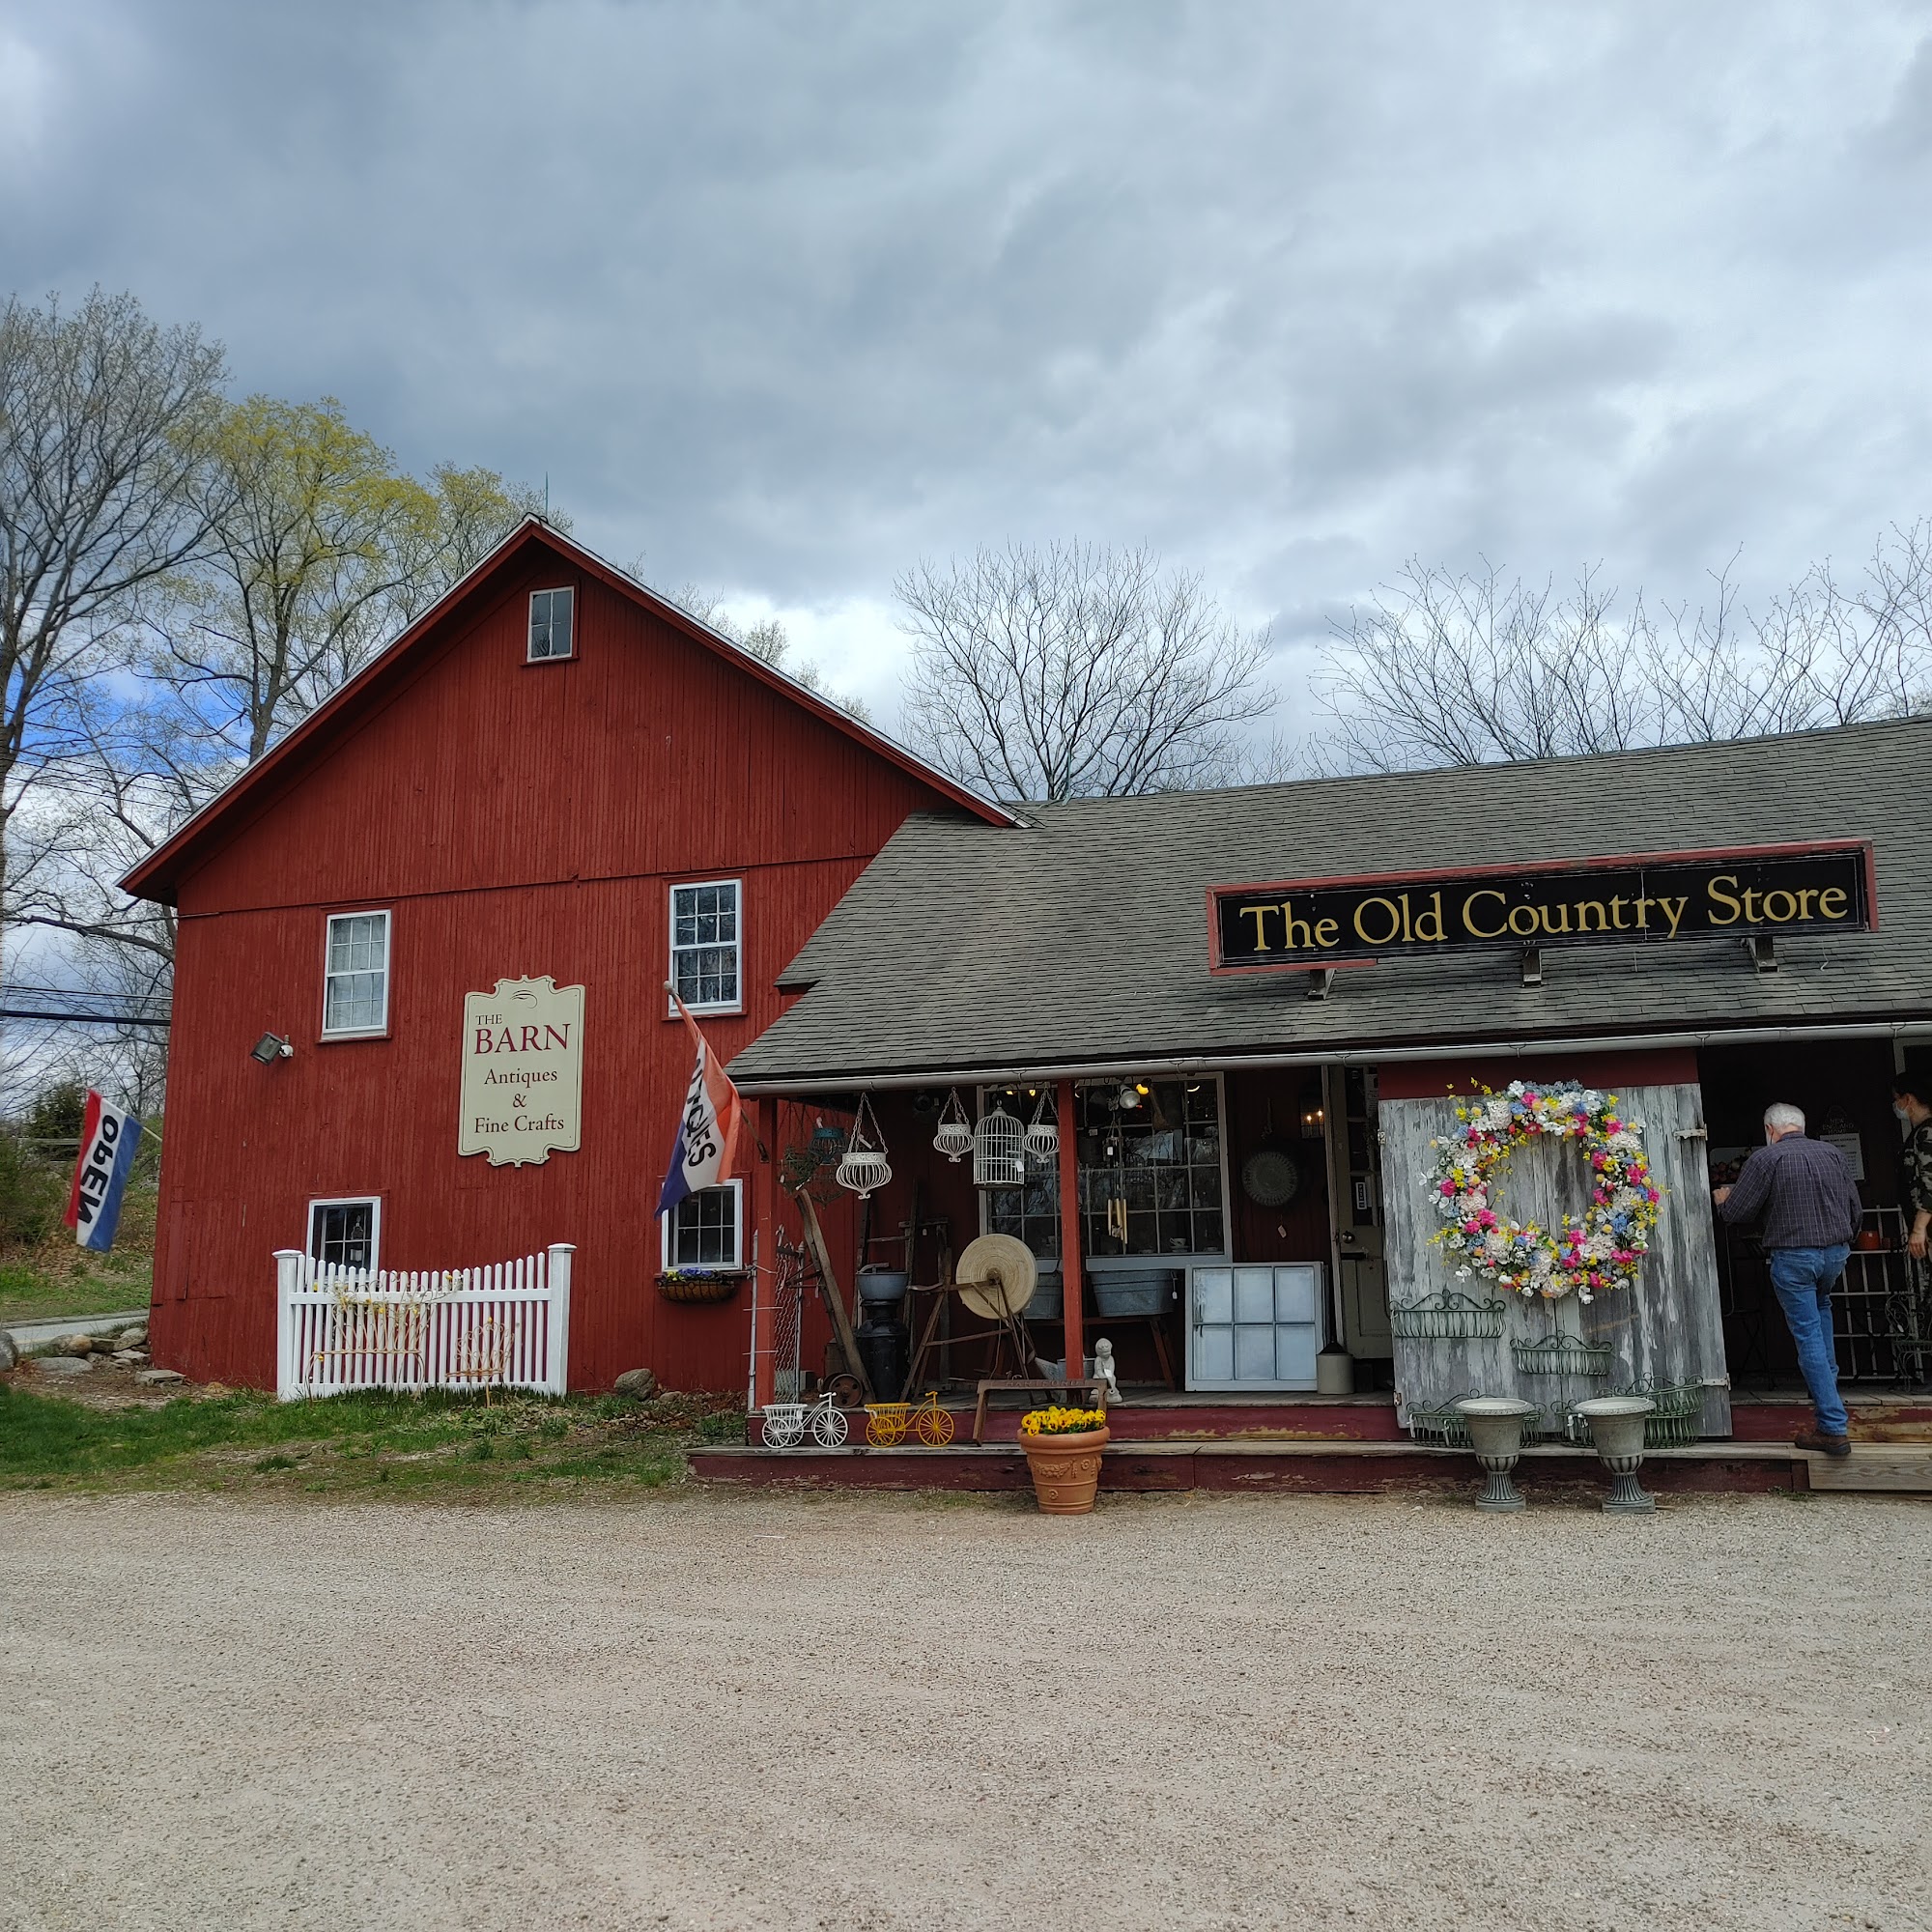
[1254, 1328]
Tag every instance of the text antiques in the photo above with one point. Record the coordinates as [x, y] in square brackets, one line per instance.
[522, 1071]
[1656, 897]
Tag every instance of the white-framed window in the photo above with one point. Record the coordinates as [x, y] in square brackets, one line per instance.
[346, 1232]
[706, 940]
[355, 975]
[551, 615]
[706, 1229]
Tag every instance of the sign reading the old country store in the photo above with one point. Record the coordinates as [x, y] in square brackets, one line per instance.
[1657, 896]
[522, 1071]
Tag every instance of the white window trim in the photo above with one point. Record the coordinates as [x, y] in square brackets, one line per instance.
[672, 949]
[530, 621]
[664, 1221]
[388, 967]
[373, 1201]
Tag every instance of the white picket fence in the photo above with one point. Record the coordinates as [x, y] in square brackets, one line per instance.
[506, 1325]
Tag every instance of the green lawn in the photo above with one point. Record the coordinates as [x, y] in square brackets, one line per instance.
[32, 1290]
[354, 1442]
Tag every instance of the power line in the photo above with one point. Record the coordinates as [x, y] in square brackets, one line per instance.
[83, 1019]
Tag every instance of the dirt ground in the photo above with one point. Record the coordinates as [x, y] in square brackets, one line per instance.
[755, 1711]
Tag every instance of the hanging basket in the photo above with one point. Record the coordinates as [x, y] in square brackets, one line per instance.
[1041, 1139]
[1447, 1315]
[999, 1159]
[1563, 1355]
[953, 1137]
[863, 1168]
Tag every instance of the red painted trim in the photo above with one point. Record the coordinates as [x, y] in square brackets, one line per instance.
[1806, 848]
[157, 876]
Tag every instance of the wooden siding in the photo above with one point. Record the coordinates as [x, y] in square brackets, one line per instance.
[1670, 1330]
[517, 820]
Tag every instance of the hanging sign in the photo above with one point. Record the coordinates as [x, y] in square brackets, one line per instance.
[522, 1071]
[1301, 924]
[108, 1142]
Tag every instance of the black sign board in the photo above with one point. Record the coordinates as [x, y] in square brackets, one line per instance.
[1661, 896]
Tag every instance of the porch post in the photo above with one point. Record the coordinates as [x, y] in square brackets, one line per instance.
[764, 1247]
[1072, 1267]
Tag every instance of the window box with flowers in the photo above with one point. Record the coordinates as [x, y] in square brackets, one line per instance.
[1062, 1451]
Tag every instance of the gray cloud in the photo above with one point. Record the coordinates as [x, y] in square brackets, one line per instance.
[784, 296]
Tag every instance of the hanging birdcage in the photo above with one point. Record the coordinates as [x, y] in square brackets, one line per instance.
[863, 1168]
[999, 1159]
[1041, 1138]
[954, 1136]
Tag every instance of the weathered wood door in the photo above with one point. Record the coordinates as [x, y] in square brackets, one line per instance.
[1669, 1331]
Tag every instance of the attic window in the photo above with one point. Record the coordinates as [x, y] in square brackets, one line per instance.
[550, 624]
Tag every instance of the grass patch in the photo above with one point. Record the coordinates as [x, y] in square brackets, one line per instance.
[34, 1287]
[411, 1444]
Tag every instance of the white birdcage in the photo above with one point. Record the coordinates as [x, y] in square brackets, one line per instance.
[954, 1136]
[863, 1168]
[1043, 1136]
[999, 1159]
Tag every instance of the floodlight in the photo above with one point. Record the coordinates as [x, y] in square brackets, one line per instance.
[270, 1048]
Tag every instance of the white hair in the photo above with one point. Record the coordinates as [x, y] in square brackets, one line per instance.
[1782, 1118]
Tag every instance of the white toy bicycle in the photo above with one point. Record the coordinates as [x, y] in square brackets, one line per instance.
[788, 1423]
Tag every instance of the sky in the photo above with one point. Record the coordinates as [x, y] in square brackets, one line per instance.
[782, 299]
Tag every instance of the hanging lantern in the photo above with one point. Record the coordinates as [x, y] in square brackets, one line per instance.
[863, 1168]
[954, 1134]
[1043, 1136]
[998, 1157]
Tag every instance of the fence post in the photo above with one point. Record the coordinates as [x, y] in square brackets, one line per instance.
[556, 1284]
[288, 1284]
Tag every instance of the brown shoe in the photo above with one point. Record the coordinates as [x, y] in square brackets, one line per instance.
[1818, 1443]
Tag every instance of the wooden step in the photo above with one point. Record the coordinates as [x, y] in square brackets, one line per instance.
[1905, 1466]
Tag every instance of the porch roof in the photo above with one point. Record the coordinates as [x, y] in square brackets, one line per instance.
[1079, 937]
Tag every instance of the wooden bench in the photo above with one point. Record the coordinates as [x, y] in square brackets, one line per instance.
[1095, 1388]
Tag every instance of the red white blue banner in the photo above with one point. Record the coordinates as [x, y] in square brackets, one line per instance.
[704, 1153]
[108, 1142]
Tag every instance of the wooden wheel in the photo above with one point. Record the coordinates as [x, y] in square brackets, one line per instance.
[845, 1391]
[935, 1427]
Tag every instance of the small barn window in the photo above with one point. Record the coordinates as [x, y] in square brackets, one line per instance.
[706, 1229]
[355, 975]
[704, 945]
[343, 1234]
[550, 624]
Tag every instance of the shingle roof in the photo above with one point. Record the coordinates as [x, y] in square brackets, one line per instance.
[1081, 937]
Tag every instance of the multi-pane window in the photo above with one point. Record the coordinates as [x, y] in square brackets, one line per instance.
[342, 1233]
[550, 624]
[704, 944]
[356, 974]
[1150, 1162]
[702, 1231]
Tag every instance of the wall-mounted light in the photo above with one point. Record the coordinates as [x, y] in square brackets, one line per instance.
[270, 1048]
[1129, 1097]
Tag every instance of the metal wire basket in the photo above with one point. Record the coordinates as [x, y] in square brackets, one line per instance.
[1563, 1355]
[1447, 1315]
[1443, 1424]
[1676, 1421]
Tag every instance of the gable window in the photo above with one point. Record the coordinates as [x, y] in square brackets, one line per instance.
[355, 975]
[343, 1234]
[551, 613]
[704, 942]
[706, 1229]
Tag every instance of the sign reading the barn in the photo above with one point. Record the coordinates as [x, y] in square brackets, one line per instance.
[522, 1071]
[1661, 896]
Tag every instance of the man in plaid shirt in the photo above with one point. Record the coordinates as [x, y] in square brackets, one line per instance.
[1810, 1207]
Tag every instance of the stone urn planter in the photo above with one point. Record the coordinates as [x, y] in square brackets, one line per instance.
[1495, 1434]
[1616, 1429]
[1063, 1450]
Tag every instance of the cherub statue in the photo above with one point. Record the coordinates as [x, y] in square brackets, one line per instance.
[1103, 1368]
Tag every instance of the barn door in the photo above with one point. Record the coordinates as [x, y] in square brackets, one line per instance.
[1670, 1329]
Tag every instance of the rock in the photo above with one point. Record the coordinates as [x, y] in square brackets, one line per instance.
[65, 1365]
[74, 1345]
[135, 1337]
[640, 1383]
[154, 1377]
[130, 1356]
[10, 1354]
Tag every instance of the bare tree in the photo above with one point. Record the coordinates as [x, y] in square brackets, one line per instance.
[1071, 670]
[104, 418]
[766, 640]
[1442, 670]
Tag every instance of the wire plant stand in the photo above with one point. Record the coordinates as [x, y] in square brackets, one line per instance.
[1447, 1315]
[1563, 1355]
[1675, 1422]
[1443, 1424]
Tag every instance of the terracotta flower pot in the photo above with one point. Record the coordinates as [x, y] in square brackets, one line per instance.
[1065, 1469]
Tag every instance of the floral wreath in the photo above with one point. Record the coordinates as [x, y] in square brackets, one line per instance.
[1601, 1251]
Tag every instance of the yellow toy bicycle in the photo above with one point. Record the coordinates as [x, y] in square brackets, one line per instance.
[887, 1423]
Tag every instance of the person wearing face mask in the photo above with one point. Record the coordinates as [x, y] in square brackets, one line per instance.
[1909, 1103]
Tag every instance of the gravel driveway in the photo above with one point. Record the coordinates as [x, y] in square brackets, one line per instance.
[747, 1711]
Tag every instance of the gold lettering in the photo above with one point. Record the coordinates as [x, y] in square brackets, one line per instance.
[1587, 906]
[1258, 914]
[1714, 889]
[1406, 932]
[1552, 930]
[1367, 937]
[1617, 914]
[1805, 900]
[1785, 917]
[1298, 932]
[1326, 931]
[1673, 911]
[1642, 916]
[1522, 912]
[1752, 913]
[1826, 906]
[1433, 917]
[1469, 925]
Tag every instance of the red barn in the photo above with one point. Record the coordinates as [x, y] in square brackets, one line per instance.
[554, 772]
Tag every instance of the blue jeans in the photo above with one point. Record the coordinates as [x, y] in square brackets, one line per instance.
[1803, 1278]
